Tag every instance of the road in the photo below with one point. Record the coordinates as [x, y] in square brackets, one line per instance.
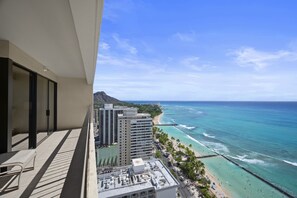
[182, 189]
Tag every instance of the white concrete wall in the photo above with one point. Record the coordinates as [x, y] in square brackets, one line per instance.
[9, 50]
[74, 98]
[75, 95]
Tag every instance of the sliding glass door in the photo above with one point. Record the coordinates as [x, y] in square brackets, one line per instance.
[45, 107]
[20, 108]
[28, 107]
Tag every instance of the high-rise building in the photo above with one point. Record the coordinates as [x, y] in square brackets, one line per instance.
[135, 136]
[96, 119]
[108, 123]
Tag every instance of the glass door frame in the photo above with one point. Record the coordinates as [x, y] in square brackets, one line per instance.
[49, 113]
[33, 105]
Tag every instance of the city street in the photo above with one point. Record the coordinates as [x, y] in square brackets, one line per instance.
[182, 189]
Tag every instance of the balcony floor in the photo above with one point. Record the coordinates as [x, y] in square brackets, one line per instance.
[53, 159]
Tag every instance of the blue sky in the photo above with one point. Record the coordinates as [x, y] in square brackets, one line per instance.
[198, 50]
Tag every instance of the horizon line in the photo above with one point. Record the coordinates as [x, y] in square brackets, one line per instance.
[209, 100]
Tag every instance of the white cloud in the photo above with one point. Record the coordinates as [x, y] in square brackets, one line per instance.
[124, 44]
[248, 56]
[104, 46]
[197, 86]
[193, 63]
[185, 37]
[114, 9]
[127, 62]
[135, 78]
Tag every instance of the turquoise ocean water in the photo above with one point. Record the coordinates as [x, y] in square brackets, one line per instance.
[260, 136]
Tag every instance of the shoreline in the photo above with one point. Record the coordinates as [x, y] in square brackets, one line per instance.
[157, 119]
[219, 191]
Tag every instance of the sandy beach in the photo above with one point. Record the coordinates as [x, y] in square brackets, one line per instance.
[156, 119]
[218, 191]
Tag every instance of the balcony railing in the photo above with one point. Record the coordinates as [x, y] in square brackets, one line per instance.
[81, 180]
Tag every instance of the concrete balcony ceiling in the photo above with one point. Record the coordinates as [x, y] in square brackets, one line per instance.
[60, 34]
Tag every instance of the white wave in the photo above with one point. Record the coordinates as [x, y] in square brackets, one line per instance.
[209, 136]
[195, 140]
[292, 163]
[217, 147]
[250, 161]
[186, 127]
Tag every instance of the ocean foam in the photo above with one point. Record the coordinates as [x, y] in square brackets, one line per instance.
[250, 161]
[217, 147]
[195, 140]
[292, 163]
[186, 127]
[209, 136]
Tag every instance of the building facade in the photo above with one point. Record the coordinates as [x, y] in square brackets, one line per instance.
[144, 179]
[108, 124]
[135, 136]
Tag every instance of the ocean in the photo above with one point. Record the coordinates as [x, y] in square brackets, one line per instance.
[259, 136]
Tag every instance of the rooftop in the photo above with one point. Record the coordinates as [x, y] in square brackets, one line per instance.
[137, 162]
[123, 180]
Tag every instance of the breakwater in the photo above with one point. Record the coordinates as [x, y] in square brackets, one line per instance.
[206, 156]
[250, 172]
[259, 177]
[165, 124]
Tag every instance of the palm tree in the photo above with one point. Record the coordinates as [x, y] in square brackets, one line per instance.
[196, 166]
[189, 152]
[158, 154]
[202, 172]
[178, 140]
[190, 145]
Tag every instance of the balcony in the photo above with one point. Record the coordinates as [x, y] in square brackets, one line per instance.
[65, 166]
[48, 53]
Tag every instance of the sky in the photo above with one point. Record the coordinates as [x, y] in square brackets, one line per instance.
[198, 50]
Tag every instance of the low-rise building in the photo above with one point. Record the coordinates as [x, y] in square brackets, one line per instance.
[142, 179]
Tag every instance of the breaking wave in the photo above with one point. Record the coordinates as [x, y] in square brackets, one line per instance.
[209, 136]
[217, 147]
[292, 163]
[244, 158]
[186, 127]
[195, 140]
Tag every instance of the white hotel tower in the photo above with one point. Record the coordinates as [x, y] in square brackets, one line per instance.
[135, 136]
